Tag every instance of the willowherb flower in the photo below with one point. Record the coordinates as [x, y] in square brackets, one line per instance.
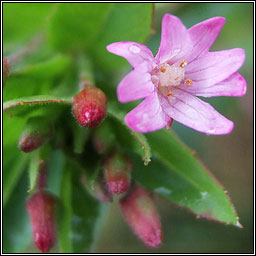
[182, 69]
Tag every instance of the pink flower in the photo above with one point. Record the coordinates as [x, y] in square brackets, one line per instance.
[182, 69]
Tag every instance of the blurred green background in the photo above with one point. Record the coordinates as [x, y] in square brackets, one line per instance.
[229, 157]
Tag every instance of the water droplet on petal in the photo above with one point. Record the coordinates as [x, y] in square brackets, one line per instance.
[211, 131]
[134, 49]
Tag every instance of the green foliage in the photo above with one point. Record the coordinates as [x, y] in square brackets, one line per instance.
[127, 138]
[182, 178]
[16, 226]
[75, 27]
[43, 82]
[78, 214]
[21, 21]
[126, 22]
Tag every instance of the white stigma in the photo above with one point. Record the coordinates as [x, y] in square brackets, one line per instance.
[171, 75]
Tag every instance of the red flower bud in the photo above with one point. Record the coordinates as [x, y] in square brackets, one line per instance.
[89, 107]
[141, 214]
[117, 169]
[36, 132]
[5, 71]
[41, 212]
[96, 189]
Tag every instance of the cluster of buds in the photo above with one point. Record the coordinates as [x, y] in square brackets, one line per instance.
[137, 205]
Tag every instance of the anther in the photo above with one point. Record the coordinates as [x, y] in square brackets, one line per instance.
[162, 69]
[188, 82]
[183, 64]
[169, 95]
[169, 124]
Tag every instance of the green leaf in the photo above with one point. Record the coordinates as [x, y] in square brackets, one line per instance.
[182, 178]
[81, 136]
[36, 73]
[21, 21]
[25, 104]
[74, 27]
[85, 214]
[65, 227]
[128, 138]
[12, 175]
[14, 161]
[47, 69]
[125, 22]
[38, 159]
[16, 226]
[55, 171]
[79, 213]
[34, 168]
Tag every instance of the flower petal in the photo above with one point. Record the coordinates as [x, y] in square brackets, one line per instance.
[235, 86]
[175, 40]
[133, 52]
[191, 111]
[147, 116]
[203, 36]
[214, 67]
[136, 85]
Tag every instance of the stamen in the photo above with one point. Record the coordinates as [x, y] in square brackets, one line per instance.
[162, 68]
[156, 70]
[168, 126]
[188, 82]
[155, 79]
[183, 64]
[169, 94]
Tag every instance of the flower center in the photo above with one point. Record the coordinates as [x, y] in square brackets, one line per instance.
[167, 76]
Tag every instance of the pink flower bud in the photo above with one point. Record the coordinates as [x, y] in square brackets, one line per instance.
[5, 71]
[89, 107]
[141, 214]
[96, 189]
[36, 132]
[41, 212]
[117, 170]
